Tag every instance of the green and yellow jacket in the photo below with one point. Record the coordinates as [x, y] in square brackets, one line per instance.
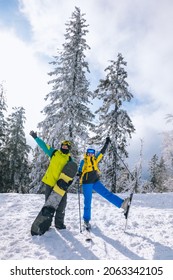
[57, 162]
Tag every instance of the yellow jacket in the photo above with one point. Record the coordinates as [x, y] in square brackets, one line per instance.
[89, 169]
[57, 163]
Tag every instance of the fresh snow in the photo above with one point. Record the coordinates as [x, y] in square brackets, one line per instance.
[149, 234]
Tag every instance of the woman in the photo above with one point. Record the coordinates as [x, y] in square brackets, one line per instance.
[89, 179]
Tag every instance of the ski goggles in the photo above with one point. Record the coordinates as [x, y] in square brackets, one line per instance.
[90, 151]
[68, 143]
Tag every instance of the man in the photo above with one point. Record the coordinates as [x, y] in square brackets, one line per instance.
[89, 178]
[58, 159]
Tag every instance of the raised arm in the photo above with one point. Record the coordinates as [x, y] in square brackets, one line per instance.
[46, 148]
[103, 150]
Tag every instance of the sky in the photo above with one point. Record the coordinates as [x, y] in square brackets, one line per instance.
[32, 31]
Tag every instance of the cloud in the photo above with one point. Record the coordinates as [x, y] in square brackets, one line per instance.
[47, 20]
[24, 75]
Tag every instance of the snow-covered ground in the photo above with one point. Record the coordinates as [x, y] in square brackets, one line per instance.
[149, 234]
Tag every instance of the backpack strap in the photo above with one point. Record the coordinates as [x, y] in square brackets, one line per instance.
[53, 153]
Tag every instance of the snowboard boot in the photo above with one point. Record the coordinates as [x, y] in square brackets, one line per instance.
[125, 204]
[60, 226]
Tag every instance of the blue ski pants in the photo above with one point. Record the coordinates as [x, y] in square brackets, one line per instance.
[100, 189]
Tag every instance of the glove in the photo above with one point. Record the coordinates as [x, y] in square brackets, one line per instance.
[108, 140]
[33, 134]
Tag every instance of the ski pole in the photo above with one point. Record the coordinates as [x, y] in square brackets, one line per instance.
[115, 152]
[136, 183]
[132, 190]
[79, 192]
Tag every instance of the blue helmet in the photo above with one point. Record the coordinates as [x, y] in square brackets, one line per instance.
[90, 151]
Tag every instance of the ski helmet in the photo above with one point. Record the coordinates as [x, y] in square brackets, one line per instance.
[65, 143]
[90, 151]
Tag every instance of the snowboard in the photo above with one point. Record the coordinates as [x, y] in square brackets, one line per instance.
[44, 218]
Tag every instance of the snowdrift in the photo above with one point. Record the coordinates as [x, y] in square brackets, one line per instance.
[149, 234]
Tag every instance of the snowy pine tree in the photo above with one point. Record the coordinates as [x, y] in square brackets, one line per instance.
[3, 133]
[39, 165]
[137, 173]
[158, 175]
[3, 122]
[167, 153]
[17, 151]
[167, 150]
[113, 119]
[67, 114]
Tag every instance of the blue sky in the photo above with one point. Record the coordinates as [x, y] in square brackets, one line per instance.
[32, 30]
[11, 17]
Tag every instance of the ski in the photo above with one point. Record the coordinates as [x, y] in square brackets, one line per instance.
[126, 214]
[87, 232]
[88, 235]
